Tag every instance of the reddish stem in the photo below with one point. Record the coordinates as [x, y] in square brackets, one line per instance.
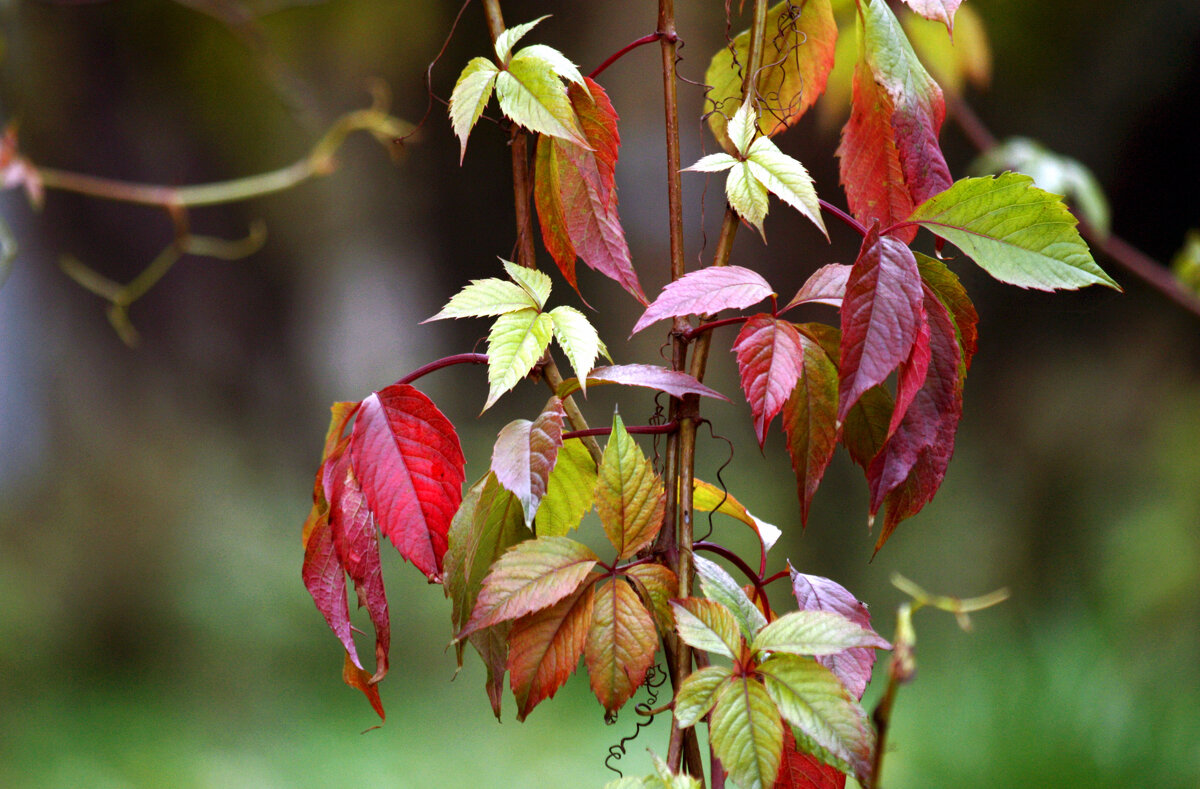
[842, 215]
[620, 53]
[447, 361]
[760, 593]
[645, 430]
[690, 334]
[776, 577]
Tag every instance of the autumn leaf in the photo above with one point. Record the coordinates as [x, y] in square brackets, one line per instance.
[816, 593]
[943, 282]
[704, 292]
[826, 285]
[881, 316]
[809, 420]
[524, 454]
[409, 464]
[797, 58]
[576, 197]
[746, 733]
[1014, 231]
[629, 495]
[544, 648]
[936, 10]
[707, 497]
[813, 700]
[656, 585]
[530, 576]
[621, 643]
[770, 362]
[356, 677]
[533, 95]
[325, 581]
[651, 376]
[515, 344]
[570, 490]
[800, 770]
[707, 625]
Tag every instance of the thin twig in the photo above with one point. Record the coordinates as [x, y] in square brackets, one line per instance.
[620, 53]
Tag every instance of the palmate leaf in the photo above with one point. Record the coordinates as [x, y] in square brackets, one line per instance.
[621, 643]
[629, 495]
[706, 291]
[489, 521]
[532, 95]
[707, 625]
[1014, 231]
[785, 178]
[576, 197]
[698, 693]
[748, 196]
[881, 316]
[816, 593]
[815, 632]
[797, 58]
[530, 576]
[936, 10]
[544, 648]
[409, 463]
[530, 280]
[746, 733]
[509, 38]
[800, 770]
[813, 700]
[524, 454]
[720, 587]
[486, 298]
[471, 94]
[809, 421]
[770, 362]
[651, 376]
[570, 490]
[515, 344]
[578, 339]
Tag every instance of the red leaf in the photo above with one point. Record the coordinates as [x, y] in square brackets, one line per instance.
[409, 463]
[870, 163]
[355, 677]
[576, 197]
[704, 292]
[357, 545]
[544, 648]
[770, 361]
[799, 770]
[620, 644]
[674, 383]
[524, 454]
[827, 285]
[938, 276]
[914, 460]
[912, 374]
[881, 316]
[326, 582]
[808, 420]
[816, 593]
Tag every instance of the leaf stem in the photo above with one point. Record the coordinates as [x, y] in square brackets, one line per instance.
[620, 53]
[846, 218]
[645, 430]
[445, 361]
[704, 327]
[760, 592]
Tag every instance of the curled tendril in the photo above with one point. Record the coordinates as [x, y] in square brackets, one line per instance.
[655, 678]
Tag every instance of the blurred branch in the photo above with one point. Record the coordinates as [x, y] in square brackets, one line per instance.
[1121, 252]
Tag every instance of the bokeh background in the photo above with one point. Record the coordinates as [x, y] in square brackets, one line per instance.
[153, 627]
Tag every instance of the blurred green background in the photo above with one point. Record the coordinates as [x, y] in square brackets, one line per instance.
[153, 627]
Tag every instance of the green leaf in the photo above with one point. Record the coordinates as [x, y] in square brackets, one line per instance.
[484, 298]
[629, 495]
[1051, 171]
[719, 586]
[698, 693]
[785, 178]
[532, 95]
[813, 700]
[746, 733]
[747, 195]
[713, 163]
[515, 344]
[530, 576]
[815, 633]
[532, 281]
[570, 492]
[707, 625]
[509, 38]
[620, 644]
[556, 61]
[471, 94]
[797, 57]
[1016, 232]
[742, 128]
[578, 339]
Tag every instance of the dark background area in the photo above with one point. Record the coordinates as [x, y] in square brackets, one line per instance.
[153, 627]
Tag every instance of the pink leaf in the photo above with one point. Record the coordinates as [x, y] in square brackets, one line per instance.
[916, 456]
[816, 593]
[525, 453]
[827, 285]
[410, 466]
[357, 545]
[881, 316]
[704, 292]
[936, 10]
[770, 361]
[674, 383]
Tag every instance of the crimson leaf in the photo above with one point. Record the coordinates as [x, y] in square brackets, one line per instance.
[770, 361]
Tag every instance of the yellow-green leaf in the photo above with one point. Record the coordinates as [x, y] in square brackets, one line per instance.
[707, 497]
[515, 344]
[534, 282]
[471, 94]
[579, 339]
[746, 733]
[484, 298]
[747, 195]
[707, 625]
[570, 492]
[698, 693]
[629, 495]
[509, 38]
[785, 178]
[532, 95]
